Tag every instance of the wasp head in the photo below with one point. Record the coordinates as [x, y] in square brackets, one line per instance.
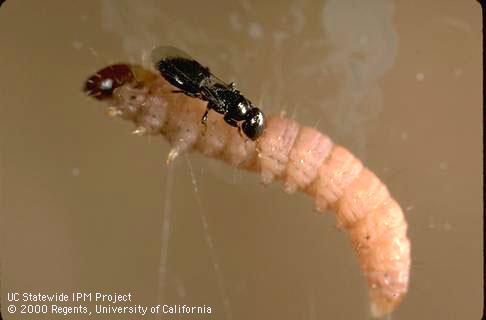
[254, 124]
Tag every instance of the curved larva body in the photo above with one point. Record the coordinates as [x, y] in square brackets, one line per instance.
[305, 160]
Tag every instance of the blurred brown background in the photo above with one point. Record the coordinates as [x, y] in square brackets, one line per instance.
[82, 200]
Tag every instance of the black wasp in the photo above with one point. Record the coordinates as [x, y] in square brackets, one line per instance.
[195, 80]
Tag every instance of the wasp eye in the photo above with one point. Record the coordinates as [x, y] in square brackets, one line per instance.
[254, 125]
[102, 84]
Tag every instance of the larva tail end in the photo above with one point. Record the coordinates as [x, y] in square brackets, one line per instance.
[381, 306]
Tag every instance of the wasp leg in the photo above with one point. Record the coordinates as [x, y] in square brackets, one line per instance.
[241, 133]
[230, 121]
[233, 123]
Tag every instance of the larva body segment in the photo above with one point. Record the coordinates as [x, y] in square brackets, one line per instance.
[361, 196]
[309, 151]
[152, 117]
[274, 147]
[222, 142]
[214, 140]
[304, 159]
[240, 152]
[182, 132]
[131, 100]
[334, 175]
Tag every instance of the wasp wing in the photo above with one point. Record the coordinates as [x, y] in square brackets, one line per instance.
[180, 69]
[165, 52]
[205, 81]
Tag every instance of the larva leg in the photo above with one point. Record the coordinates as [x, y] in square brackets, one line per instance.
[305, 160]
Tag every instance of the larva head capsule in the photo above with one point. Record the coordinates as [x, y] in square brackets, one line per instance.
[102, 84]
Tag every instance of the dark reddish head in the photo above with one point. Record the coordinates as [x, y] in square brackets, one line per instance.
[102, 83]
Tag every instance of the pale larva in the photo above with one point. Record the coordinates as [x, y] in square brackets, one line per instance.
[302, 157]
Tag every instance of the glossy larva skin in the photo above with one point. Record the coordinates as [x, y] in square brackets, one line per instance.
[102, 84]
[305, 160]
